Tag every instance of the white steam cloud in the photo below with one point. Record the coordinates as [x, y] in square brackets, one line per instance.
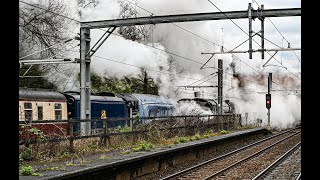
[191, 108]
[286, 109]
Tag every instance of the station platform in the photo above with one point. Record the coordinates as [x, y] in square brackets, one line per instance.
[142, 163]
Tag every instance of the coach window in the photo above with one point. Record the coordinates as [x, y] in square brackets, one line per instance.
[57, 111]
[28, 111]
[40, 113]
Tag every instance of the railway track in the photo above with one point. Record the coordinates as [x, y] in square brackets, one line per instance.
[288, 166]
[228, 166]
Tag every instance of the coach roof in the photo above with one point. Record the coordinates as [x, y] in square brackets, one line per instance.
[126, 96]
[40, 94]
[97, 98]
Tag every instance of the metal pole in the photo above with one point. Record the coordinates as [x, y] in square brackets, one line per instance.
[269, 89]
[105, 127]
[84, 81]
[268, 117]
[270, 82]
[71, 150]
[262, 33]
[250, 30]
[131, 120]
[220, 84]
[88, 84]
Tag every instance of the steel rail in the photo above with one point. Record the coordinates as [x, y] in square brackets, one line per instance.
[226, 155]
[249, 157]
[276, 162]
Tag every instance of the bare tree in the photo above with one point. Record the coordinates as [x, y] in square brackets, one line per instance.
[138, 33]
[84, 4]
[40, 28]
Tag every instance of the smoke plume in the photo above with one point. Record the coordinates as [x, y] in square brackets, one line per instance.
[245, 80]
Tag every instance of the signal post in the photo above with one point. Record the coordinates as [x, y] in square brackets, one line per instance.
[268, 97]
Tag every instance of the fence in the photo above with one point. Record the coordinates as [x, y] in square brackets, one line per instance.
[133, 128]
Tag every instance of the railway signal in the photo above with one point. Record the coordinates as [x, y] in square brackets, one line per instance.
[268, 101]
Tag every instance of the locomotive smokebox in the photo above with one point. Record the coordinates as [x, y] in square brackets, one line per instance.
[197, 94]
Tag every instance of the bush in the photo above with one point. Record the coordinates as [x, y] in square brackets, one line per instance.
[224, 131]
[27, 171]
[181, 140]
[123, 129]
[26, 155]
[144, 146]
[206, 136]
[40, 136]
[197, 136]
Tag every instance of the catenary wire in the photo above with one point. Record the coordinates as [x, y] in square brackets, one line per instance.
[252, 39]
[278, 31]
[140, 43]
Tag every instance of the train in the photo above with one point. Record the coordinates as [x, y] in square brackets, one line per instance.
[43, 104]
[103, 106]
[211, 105]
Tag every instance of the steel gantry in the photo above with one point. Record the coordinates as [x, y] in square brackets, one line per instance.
[86, 53]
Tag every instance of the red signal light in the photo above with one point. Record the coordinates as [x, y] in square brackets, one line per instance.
[268, 101]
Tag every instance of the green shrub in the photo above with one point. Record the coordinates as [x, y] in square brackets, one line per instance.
[144, 146]
[123, 129]
[184, 139]
[27, 171]
[40, 136]
[197, 136]
[93, 146]
[181, 140]
[224, 131]
[125, 152]
[210, 131]
[177, 141]
[26, 155]
[170, 145]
